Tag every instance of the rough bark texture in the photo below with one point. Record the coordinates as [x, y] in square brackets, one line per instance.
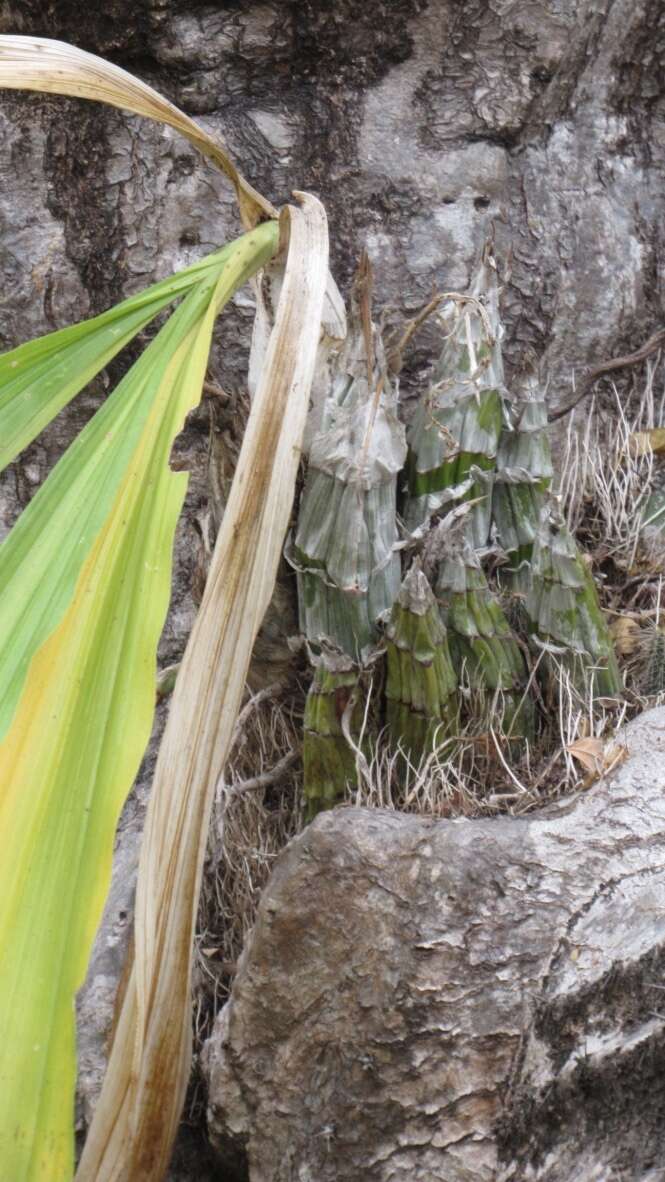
[420, 125]
[439, 1000]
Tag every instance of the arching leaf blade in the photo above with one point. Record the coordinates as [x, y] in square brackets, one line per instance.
[40, 377]
[38, 63]
[69, 758]
[41, 559]
[138, 1112]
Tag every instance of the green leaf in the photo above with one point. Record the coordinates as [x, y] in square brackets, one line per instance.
[329, 763]
[345, 545]
[481, 638]
[42, 557]
[523, 474]
[564, 610]
[86, 642]
[39, 378]
[454, 433]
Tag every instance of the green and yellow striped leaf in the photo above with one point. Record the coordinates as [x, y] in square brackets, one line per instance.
[39, 378]
[85, 632]
[41, 559]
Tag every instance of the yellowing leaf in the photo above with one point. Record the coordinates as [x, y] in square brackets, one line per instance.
[41, 559]
[83, 719]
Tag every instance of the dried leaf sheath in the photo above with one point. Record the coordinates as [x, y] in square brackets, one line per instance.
[329, 760]
[454, 436]
[139, 1109]
[421, 684]
[523, 473]
[348, 568]
[563, 607]
[480, 637]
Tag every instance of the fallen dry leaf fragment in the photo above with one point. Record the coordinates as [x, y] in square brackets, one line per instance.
[643, 442]
[597, 757]
[625, 634]
[588, 752]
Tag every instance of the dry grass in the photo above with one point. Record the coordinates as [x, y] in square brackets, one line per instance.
[605, 488]
[257, 811]
[604, 484]
[480, 771]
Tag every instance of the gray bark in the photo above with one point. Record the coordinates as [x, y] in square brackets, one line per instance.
[419, 124]
[457, 1000]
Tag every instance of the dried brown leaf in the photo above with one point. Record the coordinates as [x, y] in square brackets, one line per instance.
[597, 757]
[626, 634]
[643, 442]
[588, 752]
[137, 1116]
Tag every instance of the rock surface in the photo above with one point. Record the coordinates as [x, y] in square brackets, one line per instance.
[442, 1000]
